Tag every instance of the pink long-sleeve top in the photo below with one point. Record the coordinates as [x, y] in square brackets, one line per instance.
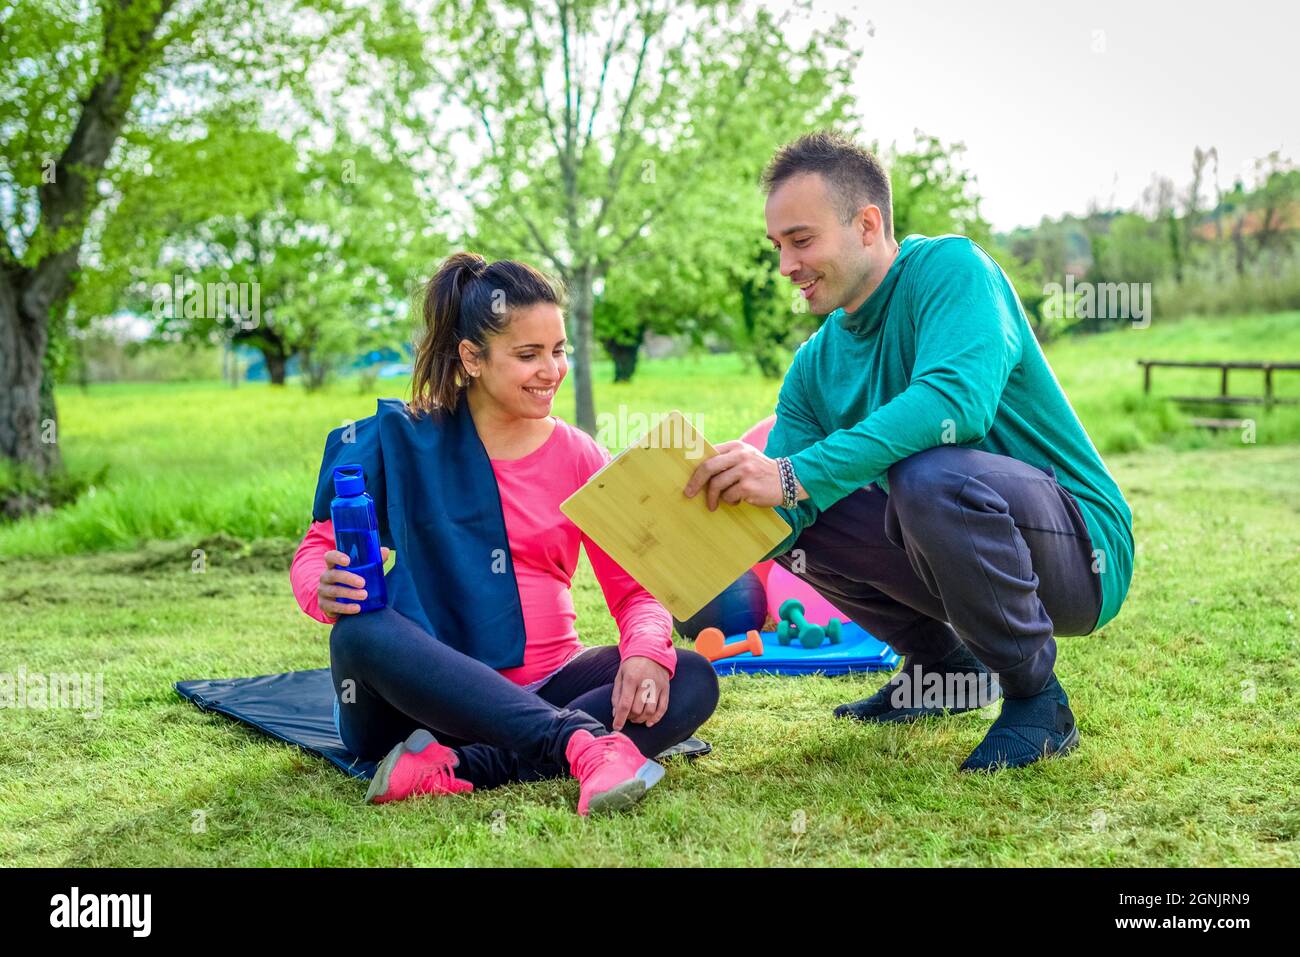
[544, 547]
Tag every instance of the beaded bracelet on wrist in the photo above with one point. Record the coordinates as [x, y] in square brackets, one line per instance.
[789, 489]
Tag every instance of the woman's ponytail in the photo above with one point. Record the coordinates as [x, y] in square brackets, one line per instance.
[468, 298]
[438, 375]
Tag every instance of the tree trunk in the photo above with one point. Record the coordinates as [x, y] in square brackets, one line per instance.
[83, 368]
[275, 363]
[1176, 248]
[26, 400]
[764, 332]
[624, 355]
[769, 363]
[315, 371]
[1239, 243]
[584, 332]
[30, 295]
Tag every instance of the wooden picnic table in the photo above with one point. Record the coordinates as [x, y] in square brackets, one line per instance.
[1268, 399]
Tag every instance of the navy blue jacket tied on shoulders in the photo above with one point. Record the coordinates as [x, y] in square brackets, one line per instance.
[437, 504]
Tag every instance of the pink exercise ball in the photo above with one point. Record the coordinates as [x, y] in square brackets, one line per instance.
[782, 585]
[757, 437]
[779, 583]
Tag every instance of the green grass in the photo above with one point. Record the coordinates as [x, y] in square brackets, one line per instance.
[187, 461]
[1180, 763]
[1186, 701]
[1101, 376]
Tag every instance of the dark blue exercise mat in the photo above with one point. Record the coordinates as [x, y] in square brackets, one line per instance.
[298, 707]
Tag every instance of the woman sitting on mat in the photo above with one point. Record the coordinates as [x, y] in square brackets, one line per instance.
[467, 481]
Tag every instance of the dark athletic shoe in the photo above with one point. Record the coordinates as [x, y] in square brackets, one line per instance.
[929, 691]
[1028, 730]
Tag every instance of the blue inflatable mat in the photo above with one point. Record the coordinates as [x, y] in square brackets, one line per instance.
[297, 707]
[858, 650]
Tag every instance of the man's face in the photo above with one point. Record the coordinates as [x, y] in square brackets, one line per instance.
[828, 260]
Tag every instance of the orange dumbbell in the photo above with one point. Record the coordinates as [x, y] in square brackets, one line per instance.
[712, 644]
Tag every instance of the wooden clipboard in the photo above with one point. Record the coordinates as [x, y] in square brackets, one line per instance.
[678, 550]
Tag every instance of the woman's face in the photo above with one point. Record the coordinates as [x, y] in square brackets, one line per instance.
[525, 363]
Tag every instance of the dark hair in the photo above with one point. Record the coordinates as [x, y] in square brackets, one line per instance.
[469, 298]
[854, 177]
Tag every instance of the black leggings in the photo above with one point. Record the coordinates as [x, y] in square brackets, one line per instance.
[392, 677]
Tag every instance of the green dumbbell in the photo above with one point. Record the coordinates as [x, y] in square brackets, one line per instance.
[794, 624]
[783, 633]
[833, 631]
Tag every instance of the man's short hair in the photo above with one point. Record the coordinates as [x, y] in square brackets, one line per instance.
[854, 177]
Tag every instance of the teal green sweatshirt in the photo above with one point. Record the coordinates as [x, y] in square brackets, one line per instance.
[940, 353]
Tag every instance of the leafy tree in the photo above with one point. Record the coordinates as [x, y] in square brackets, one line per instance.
[593, 125]
[74, 77]
[1135, 249]
[299, 234]
[933, 194]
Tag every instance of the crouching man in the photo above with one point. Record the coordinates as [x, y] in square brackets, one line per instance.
[939, 487]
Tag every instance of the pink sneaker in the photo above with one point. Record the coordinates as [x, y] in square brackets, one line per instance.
[419, 765]
[614, 775]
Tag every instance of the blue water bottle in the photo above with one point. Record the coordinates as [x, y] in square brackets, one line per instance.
[356, 533]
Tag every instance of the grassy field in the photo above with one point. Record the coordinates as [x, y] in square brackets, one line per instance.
[1190, 749]
[1186, 704]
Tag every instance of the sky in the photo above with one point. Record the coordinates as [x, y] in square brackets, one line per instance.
[1063, 104]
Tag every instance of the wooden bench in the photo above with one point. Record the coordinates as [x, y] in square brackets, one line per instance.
[1267, 400]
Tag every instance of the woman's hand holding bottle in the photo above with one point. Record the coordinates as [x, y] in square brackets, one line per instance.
[337, 583]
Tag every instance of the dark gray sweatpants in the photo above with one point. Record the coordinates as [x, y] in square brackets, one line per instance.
[966, 546]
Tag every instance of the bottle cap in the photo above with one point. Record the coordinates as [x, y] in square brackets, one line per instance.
[349, 480]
